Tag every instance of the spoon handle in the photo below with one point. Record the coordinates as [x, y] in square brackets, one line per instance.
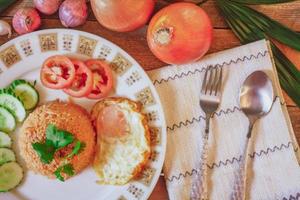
[240, 187]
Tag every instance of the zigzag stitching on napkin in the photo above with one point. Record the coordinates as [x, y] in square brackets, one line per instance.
[291, 197]
[178, 76]
[218, 114]
[193, 120]
[183, 74]
[281, 102]
[227, 111]
[232, 161]
[266, 152]
[227, 162]
[185, 123]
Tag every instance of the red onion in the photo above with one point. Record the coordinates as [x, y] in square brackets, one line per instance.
[73, 13]
[26, 20]
[48, 7]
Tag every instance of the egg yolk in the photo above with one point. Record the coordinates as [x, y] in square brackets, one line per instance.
[112, 122]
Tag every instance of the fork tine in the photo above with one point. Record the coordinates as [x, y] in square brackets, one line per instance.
[204, 79]
[216, 81]
[218, 86]
[210, 81]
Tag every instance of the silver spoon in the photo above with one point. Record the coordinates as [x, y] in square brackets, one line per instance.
[256, 100]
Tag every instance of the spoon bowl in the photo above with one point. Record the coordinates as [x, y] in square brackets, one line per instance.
[256, 95]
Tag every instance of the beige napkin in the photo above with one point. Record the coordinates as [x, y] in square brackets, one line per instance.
[276, 171]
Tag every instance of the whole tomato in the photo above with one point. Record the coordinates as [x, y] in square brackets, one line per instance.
[122, 15]
[180, 33]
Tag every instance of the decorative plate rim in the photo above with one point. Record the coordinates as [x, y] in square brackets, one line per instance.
[121, 50]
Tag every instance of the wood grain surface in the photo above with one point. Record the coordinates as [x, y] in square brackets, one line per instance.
[135, 44]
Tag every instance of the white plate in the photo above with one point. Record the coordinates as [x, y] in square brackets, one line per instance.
[23, 57]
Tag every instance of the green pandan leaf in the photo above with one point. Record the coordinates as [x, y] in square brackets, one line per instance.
[5, 3]
[269, 26]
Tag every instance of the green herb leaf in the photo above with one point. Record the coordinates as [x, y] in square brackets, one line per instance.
[58, 138]
[76, 150]
[67, 169]
[44, 151]
[55, 139]
[261, 1]
[58, 175]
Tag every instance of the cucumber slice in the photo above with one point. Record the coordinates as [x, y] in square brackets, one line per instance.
[13, 104]
[5, 140]
[7, 120]
[6, 155]
[26, 93]
[11, 175]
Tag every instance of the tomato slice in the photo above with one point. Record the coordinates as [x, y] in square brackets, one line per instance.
[58, 72]
[103, 79]
[83, 82]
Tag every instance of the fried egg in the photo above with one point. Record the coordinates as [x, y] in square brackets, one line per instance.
[123, 140]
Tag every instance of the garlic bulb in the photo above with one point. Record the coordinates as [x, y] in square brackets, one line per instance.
[5, 28]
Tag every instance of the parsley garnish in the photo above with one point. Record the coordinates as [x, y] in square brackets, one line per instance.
[44, 151]
[67, 169]
[77, 148]
[55, 140]
[58, 138]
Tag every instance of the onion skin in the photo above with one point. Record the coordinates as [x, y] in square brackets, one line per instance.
[180, 33]
[122, 15]
[5, 28]
[26, 20]
[47, 7]
[73, 13]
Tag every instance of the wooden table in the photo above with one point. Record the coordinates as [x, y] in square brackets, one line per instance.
[136, 45]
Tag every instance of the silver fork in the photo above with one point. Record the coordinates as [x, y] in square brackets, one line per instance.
[210, 99]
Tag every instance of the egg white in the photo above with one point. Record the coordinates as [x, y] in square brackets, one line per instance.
[118, 157]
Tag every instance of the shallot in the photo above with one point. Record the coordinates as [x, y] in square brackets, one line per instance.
[73, 13]
[26, 20]
[48, 7]
[5, 28]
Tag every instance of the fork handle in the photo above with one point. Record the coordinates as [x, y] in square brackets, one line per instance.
[207, 120]
[199, 185]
